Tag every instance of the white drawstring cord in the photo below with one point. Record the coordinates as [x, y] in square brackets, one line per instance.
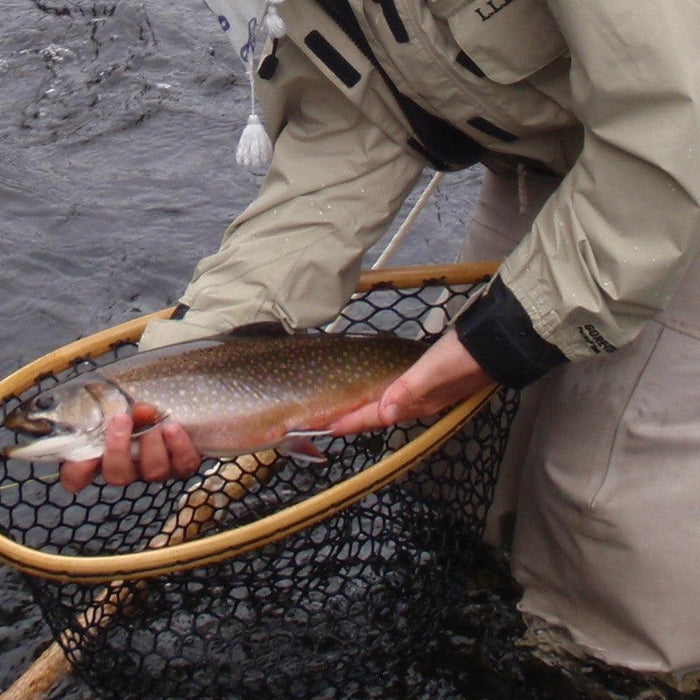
[254, 148]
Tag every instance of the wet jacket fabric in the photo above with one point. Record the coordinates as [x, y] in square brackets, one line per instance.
[605, 94]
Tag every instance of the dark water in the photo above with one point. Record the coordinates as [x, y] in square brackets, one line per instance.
[116, 173]
[117, 128]
[118, 122]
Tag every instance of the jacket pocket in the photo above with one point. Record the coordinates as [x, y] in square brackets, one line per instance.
[506, 40]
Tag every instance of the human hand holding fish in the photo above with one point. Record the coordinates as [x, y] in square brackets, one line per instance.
[165, 452]
[445, 374]
[223, 398]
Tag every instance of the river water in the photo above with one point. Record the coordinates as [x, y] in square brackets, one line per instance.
[118, 122]
[117, 174]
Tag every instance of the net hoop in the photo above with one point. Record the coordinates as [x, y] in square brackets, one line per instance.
[226, 545]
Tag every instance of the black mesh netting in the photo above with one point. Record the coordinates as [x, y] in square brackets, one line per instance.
[337, 610]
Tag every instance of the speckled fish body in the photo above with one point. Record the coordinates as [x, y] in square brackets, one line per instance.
[232, 396]
[249, 393]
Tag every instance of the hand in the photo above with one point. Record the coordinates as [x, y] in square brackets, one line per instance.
[445, 374]
[166, 452]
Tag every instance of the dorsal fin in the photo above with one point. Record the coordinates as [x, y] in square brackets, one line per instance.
[261, 329]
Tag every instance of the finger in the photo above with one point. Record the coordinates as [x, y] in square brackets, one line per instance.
[184, 458]
[154, 461]
[75, 476]
[118, 467]
[393, 406]
[362, 420]
[417, 394]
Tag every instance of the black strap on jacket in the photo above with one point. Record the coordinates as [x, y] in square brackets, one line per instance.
[441, 143]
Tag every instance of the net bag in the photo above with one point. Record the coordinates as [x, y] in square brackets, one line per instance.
[229, 584]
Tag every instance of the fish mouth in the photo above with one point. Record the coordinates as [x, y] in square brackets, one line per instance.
[55, 448]
[8, 451]
[18, 422]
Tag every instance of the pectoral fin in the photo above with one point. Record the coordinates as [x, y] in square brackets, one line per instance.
[145, 418]
[297, 443]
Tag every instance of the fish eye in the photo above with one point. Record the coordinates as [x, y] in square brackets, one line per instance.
[45, 403]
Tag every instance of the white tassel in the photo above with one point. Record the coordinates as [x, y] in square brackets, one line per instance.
[274, 24]
[255, 148]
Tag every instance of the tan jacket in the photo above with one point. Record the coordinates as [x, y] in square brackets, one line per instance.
[606, 94]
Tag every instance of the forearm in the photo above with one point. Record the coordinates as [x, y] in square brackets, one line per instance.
[606, 253]
[610, 247]
[295, 254]
[335, 184]
[614, 242]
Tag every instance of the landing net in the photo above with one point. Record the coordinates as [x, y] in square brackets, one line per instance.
[337, 609]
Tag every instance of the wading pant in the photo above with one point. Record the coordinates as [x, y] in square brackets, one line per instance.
[607, 527]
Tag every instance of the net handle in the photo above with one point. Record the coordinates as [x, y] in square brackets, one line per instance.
[225, 545]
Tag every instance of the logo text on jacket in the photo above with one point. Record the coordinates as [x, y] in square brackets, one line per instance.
[488, 9]
[594, 339]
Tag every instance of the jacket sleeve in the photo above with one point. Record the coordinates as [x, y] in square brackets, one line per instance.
[335, 184]
[610, 247]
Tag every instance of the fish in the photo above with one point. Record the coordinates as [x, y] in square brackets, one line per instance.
[233, 395]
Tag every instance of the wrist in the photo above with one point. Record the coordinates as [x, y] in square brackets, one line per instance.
[499, 335]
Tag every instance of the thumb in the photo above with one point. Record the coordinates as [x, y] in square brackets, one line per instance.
[396, 402]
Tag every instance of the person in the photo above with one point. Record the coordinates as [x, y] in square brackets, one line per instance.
[593, 106]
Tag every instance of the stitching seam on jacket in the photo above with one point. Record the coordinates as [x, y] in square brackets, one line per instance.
[595, 498]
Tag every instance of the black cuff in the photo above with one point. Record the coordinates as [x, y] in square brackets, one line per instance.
[179, 312]
[499, 335]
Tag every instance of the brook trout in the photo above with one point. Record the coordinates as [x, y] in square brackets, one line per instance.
[233, 396]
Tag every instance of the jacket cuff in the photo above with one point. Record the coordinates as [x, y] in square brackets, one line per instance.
[499, 335]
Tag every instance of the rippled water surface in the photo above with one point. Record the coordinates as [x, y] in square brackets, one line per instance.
[117, 127]
[116, 173]
[118, 122]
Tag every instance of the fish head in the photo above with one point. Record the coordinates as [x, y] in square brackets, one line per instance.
[77, 406]
[69, 419]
